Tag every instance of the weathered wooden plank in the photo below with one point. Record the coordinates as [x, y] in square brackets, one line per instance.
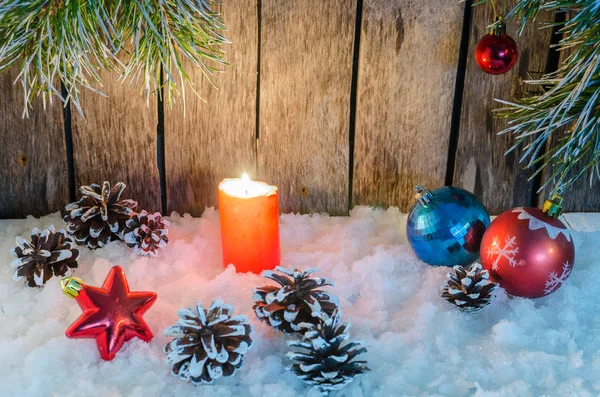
[116, 141]
[306, 75]
[216, 139]
[33, 162]
[407, 70]
[481, 165]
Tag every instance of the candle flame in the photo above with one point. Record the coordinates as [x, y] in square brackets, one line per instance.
[244, 187]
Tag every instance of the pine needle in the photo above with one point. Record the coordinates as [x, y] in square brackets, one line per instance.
[72, 41]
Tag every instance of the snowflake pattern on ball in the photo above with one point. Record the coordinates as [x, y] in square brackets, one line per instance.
[509, 251]
[555, 281]
[535, 224]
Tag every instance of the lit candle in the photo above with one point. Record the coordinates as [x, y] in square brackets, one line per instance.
[249, 224]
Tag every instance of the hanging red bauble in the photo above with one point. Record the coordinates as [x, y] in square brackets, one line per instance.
[112, 314]
[529, 251]
[496, 52]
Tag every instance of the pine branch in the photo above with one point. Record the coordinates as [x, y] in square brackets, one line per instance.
[53, 42]
[569, 102]
[71, 41]
[175, 34]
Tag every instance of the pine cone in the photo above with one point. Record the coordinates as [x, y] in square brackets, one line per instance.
[146, 233]
[324, 362]
[99, 216]
[469, 289]
[49, 253]
[297, 299]
[208, 344]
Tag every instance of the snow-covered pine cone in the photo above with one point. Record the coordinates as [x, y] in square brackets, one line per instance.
[146, 233]
[209, 343]
[99, 216]
[469, 289]
[295, 300]
[50, 253]
[324, 360]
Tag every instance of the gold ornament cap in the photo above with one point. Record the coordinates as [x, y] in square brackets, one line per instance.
[553, 206]
[71, 286]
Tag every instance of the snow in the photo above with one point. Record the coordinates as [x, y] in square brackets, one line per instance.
[418, 343]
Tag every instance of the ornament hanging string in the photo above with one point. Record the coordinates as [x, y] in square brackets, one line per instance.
[494, 8]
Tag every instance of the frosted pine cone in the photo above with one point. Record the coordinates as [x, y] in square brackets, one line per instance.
[469, 289]
[146, 233]
[208, 344]
[99, 216]
[325, 361]
[296, 300]
[50, 253]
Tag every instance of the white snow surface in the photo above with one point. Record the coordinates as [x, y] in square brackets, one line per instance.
[419, 345]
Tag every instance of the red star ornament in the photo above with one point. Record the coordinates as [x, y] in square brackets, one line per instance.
[112, 314]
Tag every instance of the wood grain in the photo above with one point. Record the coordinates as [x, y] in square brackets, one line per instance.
[481, 165]
[407, 70]
[116, 141]
[306, 74]
[33, 162]
[404, 99]
[216, 139]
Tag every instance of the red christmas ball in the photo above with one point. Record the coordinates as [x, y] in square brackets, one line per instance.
[496, 53]
[528, 252]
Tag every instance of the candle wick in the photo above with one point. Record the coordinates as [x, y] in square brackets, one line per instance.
[246, 192]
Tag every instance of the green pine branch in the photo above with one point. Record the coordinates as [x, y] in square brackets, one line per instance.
[568, 103]
[72, 41]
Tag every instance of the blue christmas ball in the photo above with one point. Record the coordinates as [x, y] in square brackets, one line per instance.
[446, 225]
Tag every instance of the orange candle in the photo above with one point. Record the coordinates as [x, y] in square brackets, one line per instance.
[249, 224]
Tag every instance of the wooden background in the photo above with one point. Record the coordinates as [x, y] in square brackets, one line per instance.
[342, 104]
